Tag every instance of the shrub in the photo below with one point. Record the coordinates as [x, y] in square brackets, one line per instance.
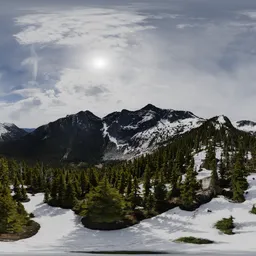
[31, 215]
[193, 240]
[226, 225]
[253, 210]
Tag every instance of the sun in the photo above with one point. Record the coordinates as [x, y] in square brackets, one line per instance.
[99, 63]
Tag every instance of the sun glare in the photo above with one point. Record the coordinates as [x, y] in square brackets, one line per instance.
[99, 63]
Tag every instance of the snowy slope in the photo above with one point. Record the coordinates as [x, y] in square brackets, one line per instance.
[133, 133]
[167, 130]
[61, 229]
[246, 126]
[10, 132]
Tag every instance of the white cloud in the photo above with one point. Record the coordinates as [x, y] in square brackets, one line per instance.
[176, 61]
[77, 27]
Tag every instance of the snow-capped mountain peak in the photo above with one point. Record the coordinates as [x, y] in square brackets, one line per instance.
[9, 131]
[221, 122]
[246, 126]
[136, 132]
[120, 135]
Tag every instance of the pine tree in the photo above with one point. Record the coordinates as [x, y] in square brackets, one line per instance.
[150, 202]
[92, 178]
[46, 195]
[188, 188]
[160, 194]
[18, 194]
[146, 183]
[222, 169]
[62, 190]
[214, 184]
[175, 174]
[134, 196]
[121, 186]
[84, 183]
[54, 188]
[10, 221]
[105, 204]
[210, 157]
[70, 197]
[129, 185]
[238, 178]
[24, 194]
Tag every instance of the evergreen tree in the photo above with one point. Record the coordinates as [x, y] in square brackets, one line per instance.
[62, 190]
[160, 194]
[84, 183]
[18, 193]
[10, 221]
[70, 197]
[175, 174]
[92, 178]
[104, 204]
[129, 185]
[134, 196]
[146, 183]
[238, 179]
[222, 169]
[121, 186]
[214, 184]
[24, 194]
[150, 202]
[46, 195]
[188, 188]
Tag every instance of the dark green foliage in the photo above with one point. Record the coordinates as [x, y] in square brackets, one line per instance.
[104, 205]
[176, 171]
[122, 183]
[226, 225]
[134, 197]
[147, 183]
[31, 215]
[129, 186]
[253, 210]
[193, 240]
[189, 187]
[150, 203]
[160, 195]
[77, 186]
[46, 195]
[70, 196]
[238, 178]
[12, 214]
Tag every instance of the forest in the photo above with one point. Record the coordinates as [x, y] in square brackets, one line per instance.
[120, 194]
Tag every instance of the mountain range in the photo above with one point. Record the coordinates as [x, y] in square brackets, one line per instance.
[84, 137]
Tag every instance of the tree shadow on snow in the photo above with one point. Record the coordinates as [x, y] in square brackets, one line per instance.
[246, 224]
[45, 210]
[146, 234]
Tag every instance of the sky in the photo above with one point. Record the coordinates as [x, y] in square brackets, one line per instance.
[61, 57]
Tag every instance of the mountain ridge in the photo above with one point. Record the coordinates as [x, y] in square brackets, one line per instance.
[120, 135]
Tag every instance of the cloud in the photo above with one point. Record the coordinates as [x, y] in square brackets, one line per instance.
[25, 106]
[95, 90]
[77, 27]
[198, 59]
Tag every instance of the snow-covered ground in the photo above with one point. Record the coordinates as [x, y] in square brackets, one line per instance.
[61, 229]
